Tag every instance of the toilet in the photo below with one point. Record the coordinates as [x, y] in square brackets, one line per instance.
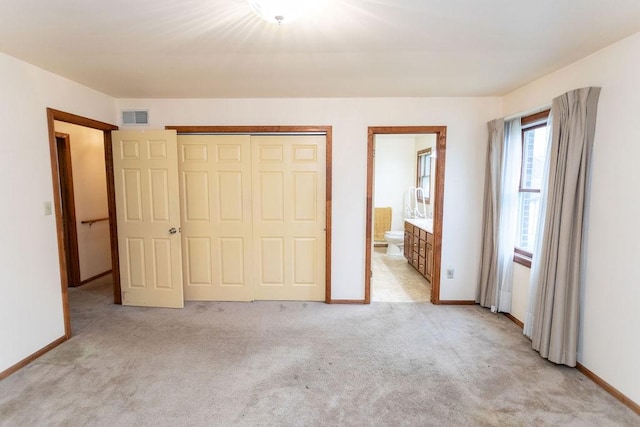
[395, 240]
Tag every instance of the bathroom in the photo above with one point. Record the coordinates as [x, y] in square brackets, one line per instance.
[402, 162]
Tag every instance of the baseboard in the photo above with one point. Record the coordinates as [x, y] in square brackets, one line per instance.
[97, 276]
[609, 388]
[593, 377]
[456, 302]
[24, 362]
[514, 320]
[346, 301]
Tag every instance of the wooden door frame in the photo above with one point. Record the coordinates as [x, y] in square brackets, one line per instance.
[327, 130]
[441, 151]
[68, 207]
[52, 116]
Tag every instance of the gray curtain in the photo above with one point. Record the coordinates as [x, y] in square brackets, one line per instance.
[500, 214]
[555, 277]
[487, 288]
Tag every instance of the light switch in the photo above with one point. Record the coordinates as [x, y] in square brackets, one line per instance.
[47, 208]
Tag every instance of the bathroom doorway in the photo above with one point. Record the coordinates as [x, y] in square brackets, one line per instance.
[400, 159]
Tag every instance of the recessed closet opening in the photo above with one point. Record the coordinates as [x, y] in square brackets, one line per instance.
[255, 208]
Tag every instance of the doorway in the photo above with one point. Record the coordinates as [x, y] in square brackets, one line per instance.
[438, 197]
[396, 164]
[68, 207]
[59, 148]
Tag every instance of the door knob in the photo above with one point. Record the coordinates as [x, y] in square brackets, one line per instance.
[173, 230]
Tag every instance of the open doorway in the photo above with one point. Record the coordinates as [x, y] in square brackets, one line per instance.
[439, 151]
[87, 245]
[402, 190]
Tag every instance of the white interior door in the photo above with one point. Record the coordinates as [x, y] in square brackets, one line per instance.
[289, 219]
[215, 183]
[148, 217]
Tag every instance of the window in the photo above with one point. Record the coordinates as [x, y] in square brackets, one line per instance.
[424, 174]
[535, 137]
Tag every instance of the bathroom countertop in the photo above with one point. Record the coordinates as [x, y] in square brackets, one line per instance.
[424, 223]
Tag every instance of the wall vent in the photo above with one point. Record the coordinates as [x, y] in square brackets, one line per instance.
[135, 117]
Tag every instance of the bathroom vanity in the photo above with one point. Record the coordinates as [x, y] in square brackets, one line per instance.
[418, 245]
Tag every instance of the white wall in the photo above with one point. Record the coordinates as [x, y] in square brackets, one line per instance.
[610, 312]
[90, 197]
[466, 143]
[395, 172]
[30, 295]
[520, 291]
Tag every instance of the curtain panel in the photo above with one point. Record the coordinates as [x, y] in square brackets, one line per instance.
[504, 156]
[552, 321]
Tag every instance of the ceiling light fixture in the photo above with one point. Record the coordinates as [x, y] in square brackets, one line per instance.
[279, 11]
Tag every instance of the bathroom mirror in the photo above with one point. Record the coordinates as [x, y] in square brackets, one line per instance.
[424, 174]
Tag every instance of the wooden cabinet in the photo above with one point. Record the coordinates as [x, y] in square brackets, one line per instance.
[418, 249]
[429, 264]
[408, 241]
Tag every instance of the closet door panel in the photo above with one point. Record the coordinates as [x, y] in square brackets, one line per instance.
[215, 173]
[289, 209]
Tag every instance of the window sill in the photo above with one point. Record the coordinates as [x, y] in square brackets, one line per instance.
[521, 259]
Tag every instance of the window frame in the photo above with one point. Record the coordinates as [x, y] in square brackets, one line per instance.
[528, 123]
[425, 152]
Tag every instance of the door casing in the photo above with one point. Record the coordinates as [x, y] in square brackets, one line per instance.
[68, 206]
[106, 128]
[441, 151]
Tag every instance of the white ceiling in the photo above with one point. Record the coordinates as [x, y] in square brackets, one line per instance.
[345, 48]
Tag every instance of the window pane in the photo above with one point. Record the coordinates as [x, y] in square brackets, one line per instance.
[534, 149]
[425, 185]
[528, 221]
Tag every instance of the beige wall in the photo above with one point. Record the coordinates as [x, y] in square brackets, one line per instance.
[520, 291]
[394, 173]
[90, 194]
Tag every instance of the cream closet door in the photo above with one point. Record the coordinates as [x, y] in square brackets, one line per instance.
[215, 181]
[148, 217]
[289, 217]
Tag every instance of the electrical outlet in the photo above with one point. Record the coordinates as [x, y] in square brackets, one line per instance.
[47, 208]
[450, 273]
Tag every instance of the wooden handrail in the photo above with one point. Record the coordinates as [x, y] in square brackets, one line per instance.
[93, 221]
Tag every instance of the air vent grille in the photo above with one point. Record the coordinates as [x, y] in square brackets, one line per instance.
[135, 117]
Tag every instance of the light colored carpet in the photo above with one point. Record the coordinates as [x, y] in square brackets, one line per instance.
[297, 364]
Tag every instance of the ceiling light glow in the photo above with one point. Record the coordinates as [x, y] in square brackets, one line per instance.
[279, 11]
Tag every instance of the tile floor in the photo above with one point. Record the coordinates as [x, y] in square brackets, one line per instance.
[394, 280]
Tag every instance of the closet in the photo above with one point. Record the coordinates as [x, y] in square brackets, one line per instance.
[250, 223]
